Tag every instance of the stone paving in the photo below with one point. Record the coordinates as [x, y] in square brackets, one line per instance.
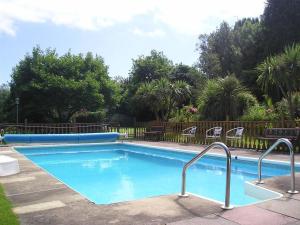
[38, 198]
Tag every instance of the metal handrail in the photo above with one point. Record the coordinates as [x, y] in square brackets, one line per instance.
[228, 171]
[292, 162]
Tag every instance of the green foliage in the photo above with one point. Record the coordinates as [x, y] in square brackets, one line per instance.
[224, 99]
[56, 88]
[259, 113]
[217, 54]
[4, 95]
[162, 96]
[152, 67]
[185, 114]
[53, 88]
[192, 76]
[281, 22]
[283, 108]
[6, 214]
[282, 71]
[240, 49]
[88, 117]
[122, 119]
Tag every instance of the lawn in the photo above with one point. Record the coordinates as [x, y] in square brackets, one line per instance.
[7, 217]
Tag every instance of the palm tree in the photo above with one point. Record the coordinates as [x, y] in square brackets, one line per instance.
[224, 99]
[162, 96]
[282, 71]
[146, 94]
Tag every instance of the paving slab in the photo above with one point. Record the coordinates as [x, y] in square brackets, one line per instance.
[294, 223]
[282, 184]
[206, 220]
[294, 196]
[285, 206]
[63, 194]
[38, 207]
[16, 179]
[38, 184]
[253, 215]
[157, 210]
[4, 152]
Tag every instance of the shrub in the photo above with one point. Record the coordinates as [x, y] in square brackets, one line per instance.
[224, 99]
[89, 117]
[283, 107]
[259, 113]
[185, 114]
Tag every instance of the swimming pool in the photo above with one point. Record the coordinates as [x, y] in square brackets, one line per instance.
[117, 172]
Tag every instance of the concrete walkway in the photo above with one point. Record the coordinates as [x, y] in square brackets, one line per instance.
[38, 198]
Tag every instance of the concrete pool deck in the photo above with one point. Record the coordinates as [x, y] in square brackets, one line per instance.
[38, 198]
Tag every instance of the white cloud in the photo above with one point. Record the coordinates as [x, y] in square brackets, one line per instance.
[154, 33]
[189, 16]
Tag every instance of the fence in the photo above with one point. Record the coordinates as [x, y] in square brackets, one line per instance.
[250, 140]
[253, 130]
[59, 128]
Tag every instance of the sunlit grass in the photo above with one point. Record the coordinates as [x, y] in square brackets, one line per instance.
[7, 217]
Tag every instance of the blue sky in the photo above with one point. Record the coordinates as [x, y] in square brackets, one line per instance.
[117, 30]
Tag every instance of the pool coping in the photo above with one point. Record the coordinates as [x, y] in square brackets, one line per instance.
[257, 187]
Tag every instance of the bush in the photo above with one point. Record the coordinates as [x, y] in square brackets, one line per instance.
[122, 119]
[259, 113]
[283, 107]
[224, 99]
[185, 114]
[89, 117]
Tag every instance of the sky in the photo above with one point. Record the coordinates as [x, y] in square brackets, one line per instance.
[117, 30]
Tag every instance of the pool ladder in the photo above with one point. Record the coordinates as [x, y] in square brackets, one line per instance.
[292, 162]
[228, 171]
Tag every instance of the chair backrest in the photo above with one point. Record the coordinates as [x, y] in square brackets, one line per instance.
[193, 130]
[239, 131]
[217, 131]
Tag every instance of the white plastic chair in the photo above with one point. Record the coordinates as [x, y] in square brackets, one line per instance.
[189, 132]
[213, 133]
[235, 133]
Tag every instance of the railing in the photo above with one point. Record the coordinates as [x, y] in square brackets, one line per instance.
[292, 162]
[228, 171]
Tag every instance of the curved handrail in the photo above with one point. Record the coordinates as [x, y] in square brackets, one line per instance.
[228, 171]
[292, 161]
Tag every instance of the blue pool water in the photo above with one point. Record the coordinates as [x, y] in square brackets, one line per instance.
[111, 173]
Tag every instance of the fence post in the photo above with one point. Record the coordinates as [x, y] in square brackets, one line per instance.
[25, 125]
[134, 127]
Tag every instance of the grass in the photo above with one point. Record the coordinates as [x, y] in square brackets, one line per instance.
[7, 217]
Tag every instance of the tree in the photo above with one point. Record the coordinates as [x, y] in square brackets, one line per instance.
[4, 94]
[162, 96]
[224, 99]
[144, 69]
[192, 76]
[281, 22]
[152, 67]
[217, 54]
[53, 88]
[249, 48]
[233, 50]
[283, 72]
